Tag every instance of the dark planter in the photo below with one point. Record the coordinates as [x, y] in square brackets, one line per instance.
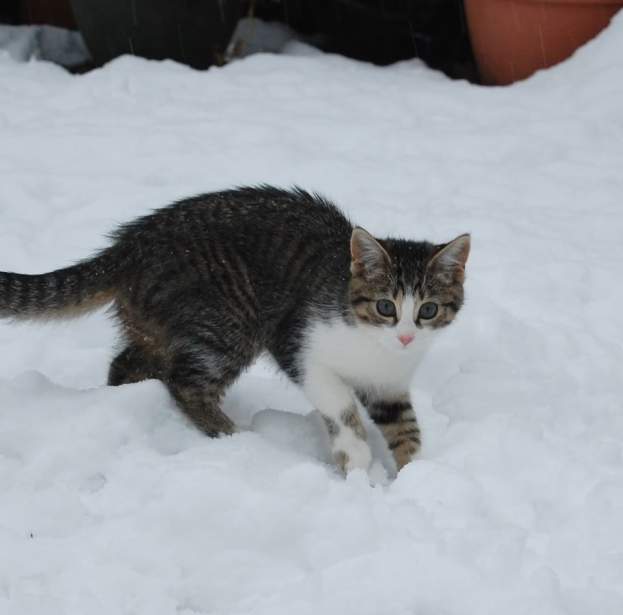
[383, 31]
[50, 12]
[195, 32]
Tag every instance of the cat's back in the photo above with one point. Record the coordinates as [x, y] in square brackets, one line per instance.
[286, 242]
[246, 214]
[288, 213]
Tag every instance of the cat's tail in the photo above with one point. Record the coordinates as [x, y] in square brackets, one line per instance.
[64, 293]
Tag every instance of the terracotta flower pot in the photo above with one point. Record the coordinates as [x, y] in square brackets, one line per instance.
[512, 39]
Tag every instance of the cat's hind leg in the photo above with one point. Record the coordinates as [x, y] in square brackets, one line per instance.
[206, 333]
[133, 364]
[196, 386]
[199, 374]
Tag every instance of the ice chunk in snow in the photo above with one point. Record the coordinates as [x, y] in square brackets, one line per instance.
[49, 43]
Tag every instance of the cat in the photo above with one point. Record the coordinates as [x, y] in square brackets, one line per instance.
[200, 288]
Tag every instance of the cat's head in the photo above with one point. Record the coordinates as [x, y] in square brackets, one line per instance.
[401, 290]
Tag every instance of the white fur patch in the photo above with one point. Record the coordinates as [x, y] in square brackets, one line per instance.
[338, 357]
[365, 356]
[332, 396]
[358, 451]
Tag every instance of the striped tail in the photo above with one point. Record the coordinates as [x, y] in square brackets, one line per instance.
[64, 293]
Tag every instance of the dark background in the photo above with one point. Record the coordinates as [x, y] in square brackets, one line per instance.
[379, 31]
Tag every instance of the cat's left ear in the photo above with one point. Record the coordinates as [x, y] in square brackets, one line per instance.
[368, 257]
[450, 258]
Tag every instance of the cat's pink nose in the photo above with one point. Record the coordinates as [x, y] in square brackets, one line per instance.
[405, 340]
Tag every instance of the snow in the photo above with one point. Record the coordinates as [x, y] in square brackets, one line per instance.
[111, 503]
[24, 43]
[254, 35]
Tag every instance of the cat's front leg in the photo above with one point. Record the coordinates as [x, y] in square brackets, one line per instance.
[394, 416]
[335, 402]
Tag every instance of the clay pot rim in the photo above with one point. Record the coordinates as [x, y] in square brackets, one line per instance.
[585, 2]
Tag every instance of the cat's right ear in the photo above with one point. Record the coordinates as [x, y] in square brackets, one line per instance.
[368, 257]
[451, 257]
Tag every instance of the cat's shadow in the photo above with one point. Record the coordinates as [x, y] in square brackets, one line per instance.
[307, 435]
[249, 403]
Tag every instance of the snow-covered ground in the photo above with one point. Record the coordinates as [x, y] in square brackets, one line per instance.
[24, 43]
[110, 503]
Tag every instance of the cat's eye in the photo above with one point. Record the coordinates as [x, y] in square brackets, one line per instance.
[385, 307]
[428, 310]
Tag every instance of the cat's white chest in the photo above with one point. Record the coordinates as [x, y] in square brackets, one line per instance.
[359, 358]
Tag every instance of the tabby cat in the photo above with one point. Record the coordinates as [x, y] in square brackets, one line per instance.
[203, 286]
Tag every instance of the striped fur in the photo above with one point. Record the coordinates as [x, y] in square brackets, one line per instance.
[65, 293]
[396, 419]
[202, 287]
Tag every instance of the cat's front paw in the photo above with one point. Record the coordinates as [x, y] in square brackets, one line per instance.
[404, 453]
[358, 456]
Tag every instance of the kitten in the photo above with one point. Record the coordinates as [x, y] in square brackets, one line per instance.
[202, 287]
